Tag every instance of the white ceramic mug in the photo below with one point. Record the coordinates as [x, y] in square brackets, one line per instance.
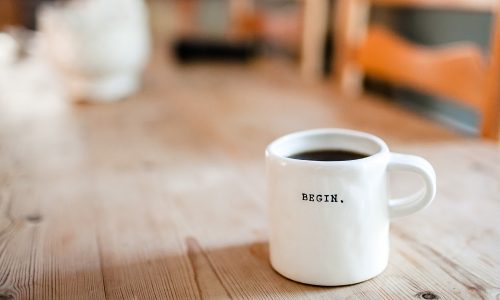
[329, 220]
[101, 47]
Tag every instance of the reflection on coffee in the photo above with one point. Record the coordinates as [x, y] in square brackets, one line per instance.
[328, 155]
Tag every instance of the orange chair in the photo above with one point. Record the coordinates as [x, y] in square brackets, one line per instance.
[459, 71]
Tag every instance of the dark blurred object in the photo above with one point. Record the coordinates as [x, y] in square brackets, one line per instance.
[329, 52]
[192, 49]
[237, 30]
[28, 11]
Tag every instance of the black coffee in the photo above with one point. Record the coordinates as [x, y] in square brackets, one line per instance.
[328, 155]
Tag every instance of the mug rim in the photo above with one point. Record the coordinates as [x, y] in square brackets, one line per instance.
[383, 149]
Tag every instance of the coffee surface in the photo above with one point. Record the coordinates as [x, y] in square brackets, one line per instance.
[328, 155]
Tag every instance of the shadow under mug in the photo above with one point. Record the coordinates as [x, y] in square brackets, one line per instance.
[329, 220]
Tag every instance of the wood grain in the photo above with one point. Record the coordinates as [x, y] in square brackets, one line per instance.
[162, 196]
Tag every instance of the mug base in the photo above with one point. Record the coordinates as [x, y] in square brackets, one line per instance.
[325, 281]
[105, 89]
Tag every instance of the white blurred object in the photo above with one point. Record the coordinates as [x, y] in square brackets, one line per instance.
[100, 46]
[9, 49]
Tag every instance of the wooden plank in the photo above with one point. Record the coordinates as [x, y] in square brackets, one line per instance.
[163, 196]
[444, 290]
[48, 246]
[142, 256]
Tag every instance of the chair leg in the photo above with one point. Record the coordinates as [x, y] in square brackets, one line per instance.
[315, 28]
[490, 121]
[351, 22]
[490, 111]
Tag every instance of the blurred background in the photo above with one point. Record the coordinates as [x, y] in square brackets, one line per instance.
[132, 137]
[97, 50]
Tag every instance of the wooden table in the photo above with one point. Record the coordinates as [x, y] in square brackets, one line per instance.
[162, 196]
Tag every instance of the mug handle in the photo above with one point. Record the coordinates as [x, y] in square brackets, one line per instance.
[403, 206]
